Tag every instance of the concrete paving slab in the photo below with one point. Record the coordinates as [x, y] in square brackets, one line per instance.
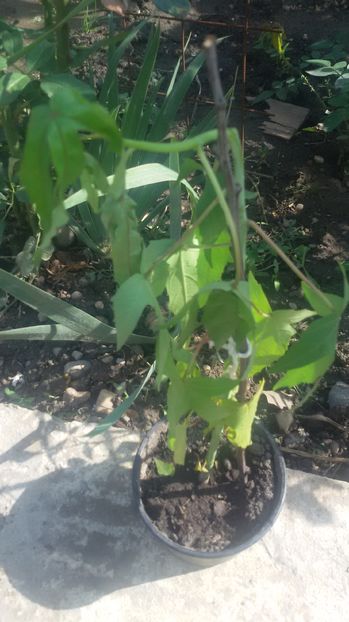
[73, 549]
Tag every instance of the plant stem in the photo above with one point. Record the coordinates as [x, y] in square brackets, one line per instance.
[226, 144]
[223, 148]
[10, 131]
[62, 35]
[189, 144]
[234, 232]
[289, 262]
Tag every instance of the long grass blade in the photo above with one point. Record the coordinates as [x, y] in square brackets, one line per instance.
[136, 177]
[58, 332]
[134, 112]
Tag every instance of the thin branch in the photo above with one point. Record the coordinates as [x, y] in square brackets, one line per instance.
[305, 454]
[288, 261]
[223, 144]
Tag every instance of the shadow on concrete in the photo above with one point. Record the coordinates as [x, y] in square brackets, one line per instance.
[302, 497]
[73, 536]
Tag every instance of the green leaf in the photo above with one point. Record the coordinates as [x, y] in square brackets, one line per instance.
[336, 304]
[183, 282]
[89, 116]
[11, 86]
[202, 390]
[166, 469]
[119, 219]
[123, 407]
[154, 250]
[66, 150]
[319, 62]
[129, 302]
[42, 58]
[53, 83]
[310, 357]
[225, 316]
[335, 119]
[273, 335]
[259, 301]
[323, 72]
[136, 177]
[178, 8]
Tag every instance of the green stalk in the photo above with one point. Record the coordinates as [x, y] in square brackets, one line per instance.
[10, 131]
[62, 35]
[189, 144]
[239, 268]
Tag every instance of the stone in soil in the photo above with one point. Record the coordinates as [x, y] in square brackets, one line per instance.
[75, 398]
[77, 355]
[105, 402]
[76, 296]
[76, 369]
[338, 398]
[64, 237]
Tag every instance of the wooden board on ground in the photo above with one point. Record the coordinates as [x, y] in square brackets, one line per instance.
[283, 120]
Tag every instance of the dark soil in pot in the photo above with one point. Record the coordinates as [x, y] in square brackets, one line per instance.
[216, 515]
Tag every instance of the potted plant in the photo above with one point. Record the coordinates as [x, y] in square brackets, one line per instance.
[208, 480]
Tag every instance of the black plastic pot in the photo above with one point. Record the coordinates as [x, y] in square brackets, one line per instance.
[208, 558]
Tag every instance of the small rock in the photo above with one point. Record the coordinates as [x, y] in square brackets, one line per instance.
[57, 351]
[76, 369]
[338, 397]
[284, 419]
[121, 362]
[40, 281]
[318, 159]
[99, 305]
[107, 359]
[64, 237]
[17, 380]
[77, 355]
[83, 282]
[72, 396]
[299, 207]
[42, 317]
[227, 464]
[206, 368]
[220, 508]
[105, 402]
[76, 296]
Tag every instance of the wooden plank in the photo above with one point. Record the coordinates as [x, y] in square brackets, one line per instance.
[283, 119]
